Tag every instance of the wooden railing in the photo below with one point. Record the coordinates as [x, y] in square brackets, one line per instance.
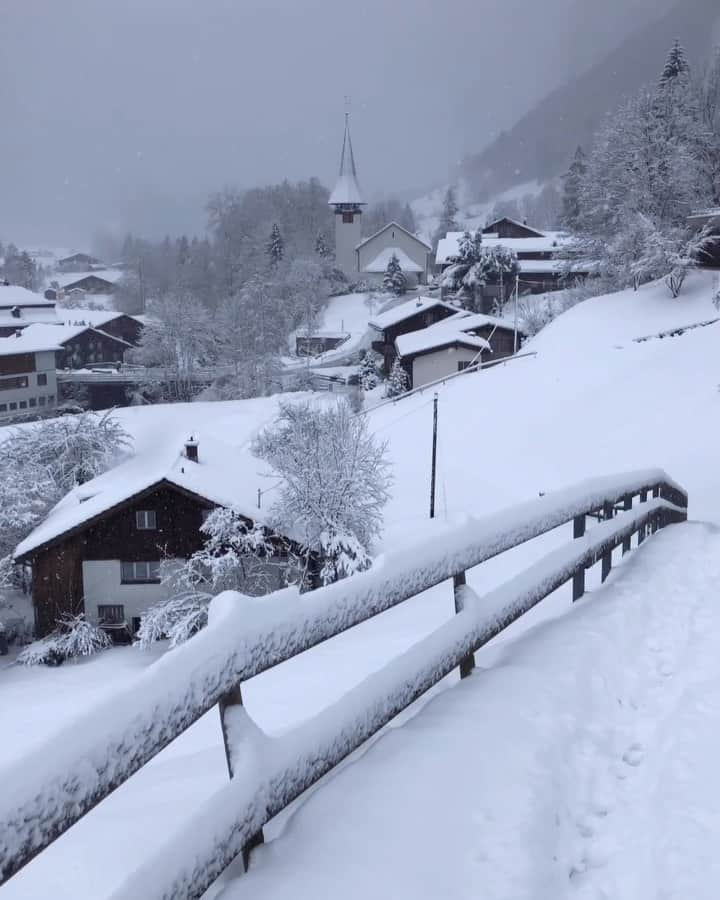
[55, 785]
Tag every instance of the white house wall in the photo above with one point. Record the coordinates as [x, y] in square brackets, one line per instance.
[439, 364]
[393, 237]
[102, 587]
[44, 365]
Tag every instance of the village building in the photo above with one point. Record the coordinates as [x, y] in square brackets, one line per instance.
[94, 282]
[543, 259]
[79, 262]
[117, 324]
[20, 307]
[101, 549]
[411, 315]
[454, 344]
[28, 381]
[367, 260]
[81, 345]
[708, 219]
[319, 342]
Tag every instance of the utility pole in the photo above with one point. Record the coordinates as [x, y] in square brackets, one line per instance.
[517, 297]
[434, 458]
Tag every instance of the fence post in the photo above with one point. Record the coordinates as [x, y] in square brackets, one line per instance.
[467, 663]
[227, 702]
[608, 513]
[641, 530]
[579, 576]
[627, 504]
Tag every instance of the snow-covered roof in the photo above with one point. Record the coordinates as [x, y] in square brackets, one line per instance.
[222, 476]
[65, 279]
[407, 309]
[490, 225]
[14, 295]
[467, 321]
[61, 334]
[551, 241]
[428, 339]
[95, 317]
[27, 315]
[27, 342]
[393, 225]
[380, 263]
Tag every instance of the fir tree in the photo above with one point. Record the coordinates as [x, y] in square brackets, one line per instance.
[368, 372]
[448, 217]
[572, 188]
[676, 65]
[275, 247]
[398, 382]
[394, 280]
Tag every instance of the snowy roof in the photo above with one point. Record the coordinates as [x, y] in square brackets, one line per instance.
[347, 190]
[393, 225]
[61, 334]
[549, 242]
[26, 315]
[435, 338]
[65, 279]
[467, 321]
[27, 342]
[517, 222]
[95, 317]
[380, 263]
[221, 476]
[407, 309]
[14, 295]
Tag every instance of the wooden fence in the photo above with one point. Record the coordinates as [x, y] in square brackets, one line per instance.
[53, 787]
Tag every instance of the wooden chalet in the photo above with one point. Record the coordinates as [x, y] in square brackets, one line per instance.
[89, 284]
[320, 342]
[100, 550]
[412, 315]
[116, 324]
[82, 345]
[79, 262]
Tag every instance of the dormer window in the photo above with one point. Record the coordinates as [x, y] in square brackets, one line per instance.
[145, 520]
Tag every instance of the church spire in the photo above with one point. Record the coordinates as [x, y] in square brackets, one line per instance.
[347, 190]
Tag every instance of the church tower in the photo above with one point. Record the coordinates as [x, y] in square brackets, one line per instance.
[347, 202]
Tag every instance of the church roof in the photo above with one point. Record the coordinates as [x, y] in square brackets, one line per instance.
[393, 225]
[347, 190]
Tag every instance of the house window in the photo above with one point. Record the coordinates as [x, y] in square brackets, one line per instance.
[32, 401]
[145, 520]
[463, 365]
[140, 573]
[9, 384]
[23, 404]
[135, 624]
[347, 218]
[111, 614]
[51, 398]
[13, 406]
[42, 379]
[41, 401]
[3, 407]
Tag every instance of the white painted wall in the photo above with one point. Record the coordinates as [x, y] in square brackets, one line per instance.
[101, 583]
[392, 236]
[347, 236]
[439, 364]
[44, 365]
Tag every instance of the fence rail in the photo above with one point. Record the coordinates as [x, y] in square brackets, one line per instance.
[56, 785]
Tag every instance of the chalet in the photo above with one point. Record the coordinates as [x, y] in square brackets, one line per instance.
[319, 342]
[413, 254]
[454, 344]
[420, 312]
[100, 549]
[96, 281]
[81, 345]
[109, 321]
[79, 262]
[540, 254]
[708, 220]
[28, 382]
[20, 307]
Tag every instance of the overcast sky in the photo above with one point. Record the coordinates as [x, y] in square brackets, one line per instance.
[126, 114]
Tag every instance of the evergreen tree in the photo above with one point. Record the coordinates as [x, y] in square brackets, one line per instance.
[572, 187]
[676, 65]
[321, 247]
[448, 217]
[394, 280]
[368, 372]
[275, 247]
[398, 382]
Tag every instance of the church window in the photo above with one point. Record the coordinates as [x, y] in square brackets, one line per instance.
[347, 218]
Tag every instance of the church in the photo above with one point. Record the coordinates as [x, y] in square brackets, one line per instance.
[367, 259]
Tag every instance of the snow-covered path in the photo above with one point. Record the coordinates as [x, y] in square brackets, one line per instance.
[578, 762]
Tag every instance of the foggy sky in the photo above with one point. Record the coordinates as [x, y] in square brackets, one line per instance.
[125, 115]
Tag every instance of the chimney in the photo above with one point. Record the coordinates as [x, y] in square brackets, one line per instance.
[191, 449]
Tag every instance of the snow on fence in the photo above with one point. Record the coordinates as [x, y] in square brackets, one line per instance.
[54, 786]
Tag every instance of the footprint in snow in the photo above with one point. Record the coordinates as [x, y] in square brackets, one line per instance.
[634, 755]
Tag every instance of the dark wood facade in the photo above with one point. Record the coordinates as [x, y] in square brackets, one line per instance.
[91, 284]
[78, 262]
[317, 343]
[125, 327]
[423, 318]
[17, 364]
[509, 228]
[90, 347]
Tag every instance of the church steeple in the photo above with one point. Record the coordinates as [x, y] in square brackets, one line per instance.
[347, 195]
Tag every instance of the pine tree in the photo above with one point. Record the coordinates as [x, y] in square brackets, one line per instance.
[394, 280]
[676, 65]
[448, 217]
[275, 247]
[398, 382]
[368, 372]
[572, 187]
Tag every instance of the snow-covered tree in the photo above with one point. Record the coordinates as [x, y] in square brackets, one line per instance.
[74, 638]
[448, 216]
[322, 247]
[394, 280]
[398, 381]
[572, 188]
[234, 557]
[676, 65]
[335, 483]
[275, 247]
[476, 265]
[368, 371]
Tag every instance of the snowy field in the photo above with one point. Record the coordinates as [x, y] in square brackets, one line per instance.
[347, 314]
[539, 777]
